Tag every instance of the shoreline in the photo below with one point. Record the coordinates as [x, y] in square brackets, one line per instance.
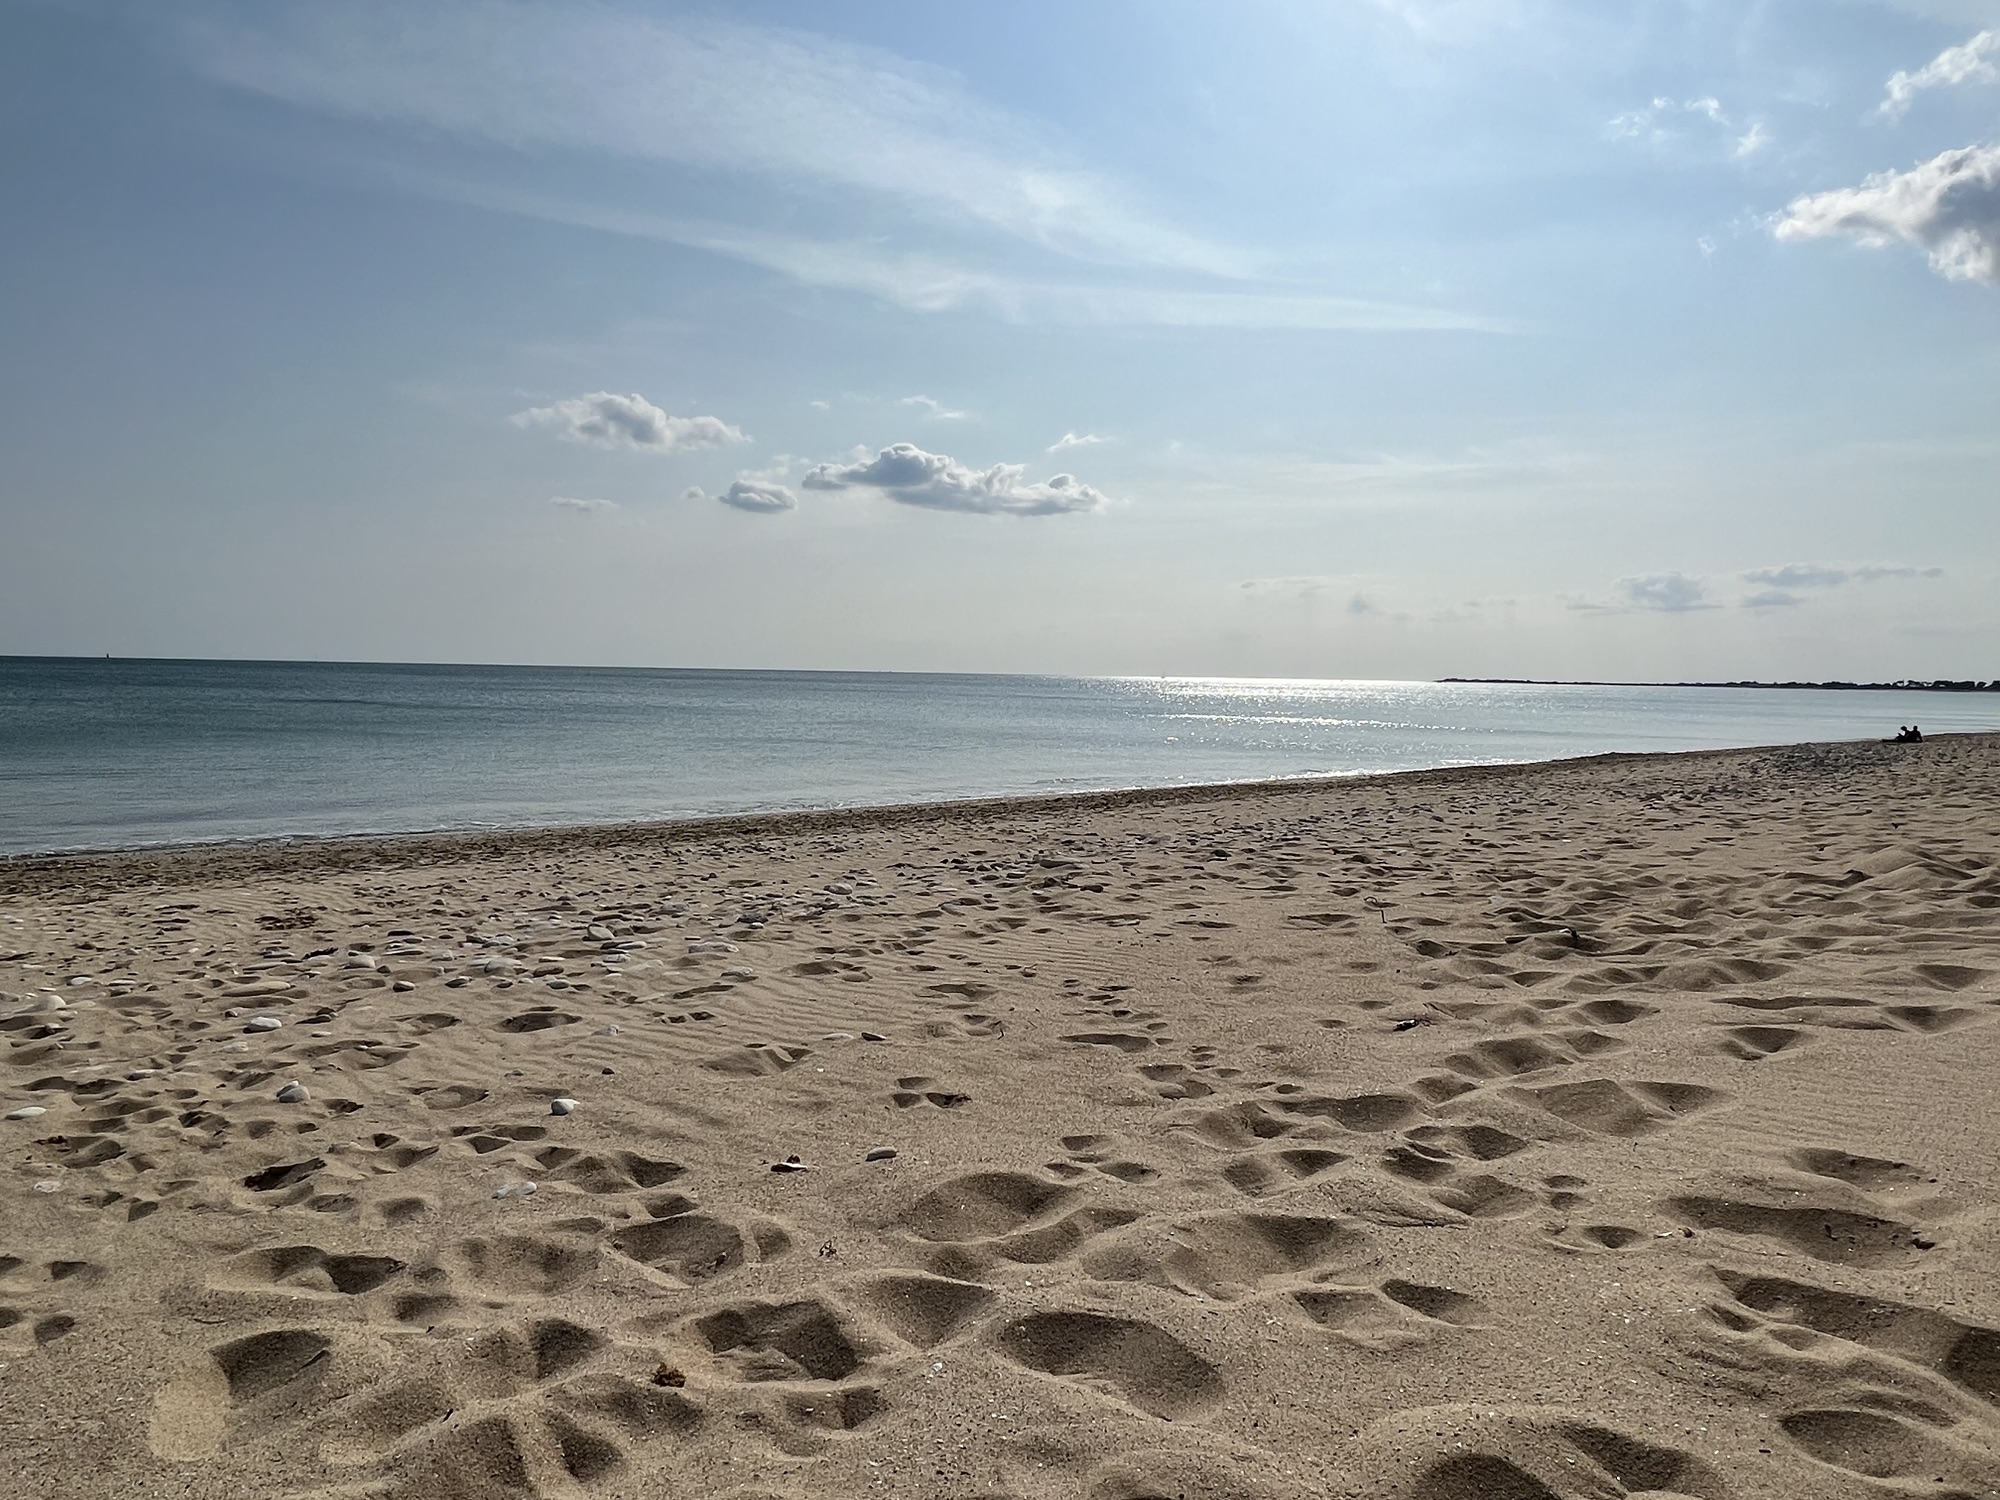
[304, 853]
[1401, 1136]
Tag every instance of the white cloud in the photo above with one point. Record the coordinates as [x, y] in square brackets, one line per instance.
[1075, 440]
[604, 419]
[1966, 63]
[910, 476]
[758, 496]
[587, 507]
[935, 411]
[699, 92]
[1950, 205]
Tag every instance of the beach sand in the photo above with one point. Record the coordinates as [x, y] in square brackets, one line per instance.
[1613, 1127]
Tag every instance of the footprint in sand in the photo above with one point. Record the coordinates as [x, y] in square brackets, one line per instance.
[915, 1091]
[1841, 1229]
[1605, 1107]
[1227, 1257]
[759, 1059]
[924, 1311]
[1521, 1453]
[1963, 1353]
[1099, 1153]
[1396, 1315]
[191, 1414]
[688, 1247]
[1124, 1359]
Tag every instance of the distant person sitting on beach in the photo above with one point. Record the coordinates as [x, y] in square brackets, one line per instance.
[1909, 734]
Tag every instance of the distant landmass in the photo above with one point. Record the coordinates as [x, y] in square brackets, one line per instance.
[1907, 685]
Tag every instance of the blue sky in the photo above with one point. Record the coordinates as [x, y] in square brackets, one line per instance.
[1385, 338]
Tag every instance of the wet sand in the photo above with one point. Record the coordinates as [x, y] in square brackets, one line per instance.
[1611, 1127]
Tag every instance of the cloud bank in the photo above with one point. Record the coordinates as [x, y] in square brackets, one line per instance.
[603, 419]
[760, 497]
[908, 475]
[1784, 587]
[1950, 205]
[1672, 593]
[585, 507]
[1074, 440]
[1832, 575]
[1967, 63]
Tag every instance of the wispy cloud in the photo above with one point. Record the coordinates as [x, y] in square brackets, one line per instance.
[761, 497]
[1668, 121]
[584, 507]
[1075, 440]
[1950, 205]
[843, 131]
[604, 419]
[1970, 62]
[698, 92]
[935, 411]
[908, 475]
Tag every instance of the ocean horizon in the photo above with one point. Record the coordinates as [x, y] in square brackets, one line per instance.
[106, 753]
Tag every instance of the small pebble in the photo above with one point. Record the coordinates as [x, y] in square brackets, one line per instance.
[880, 1153]
[563, 1106]
[294, 1093]
[262, 1023]
[48, 1185]
[514, 1190]
[606, 1031]
[873, 1036]
[402, 986]
[739, 973]
[789, 1164]
[28, 1112]
[838, 1036]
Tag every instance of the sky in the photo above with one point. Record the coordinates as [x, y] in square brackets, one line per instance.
[1358, 338]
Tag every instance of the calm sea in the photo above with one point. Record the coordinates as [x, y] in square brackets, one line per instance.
[98, 754]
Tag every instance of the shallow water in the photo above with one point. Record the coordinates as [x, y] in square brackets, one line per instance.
[102, 753]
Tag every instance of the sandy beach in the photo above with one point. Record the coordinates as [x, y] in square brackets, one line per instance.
[1606, 1128]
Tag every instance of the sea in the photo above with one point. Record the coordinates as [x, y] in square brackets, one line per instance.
[105, 754]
